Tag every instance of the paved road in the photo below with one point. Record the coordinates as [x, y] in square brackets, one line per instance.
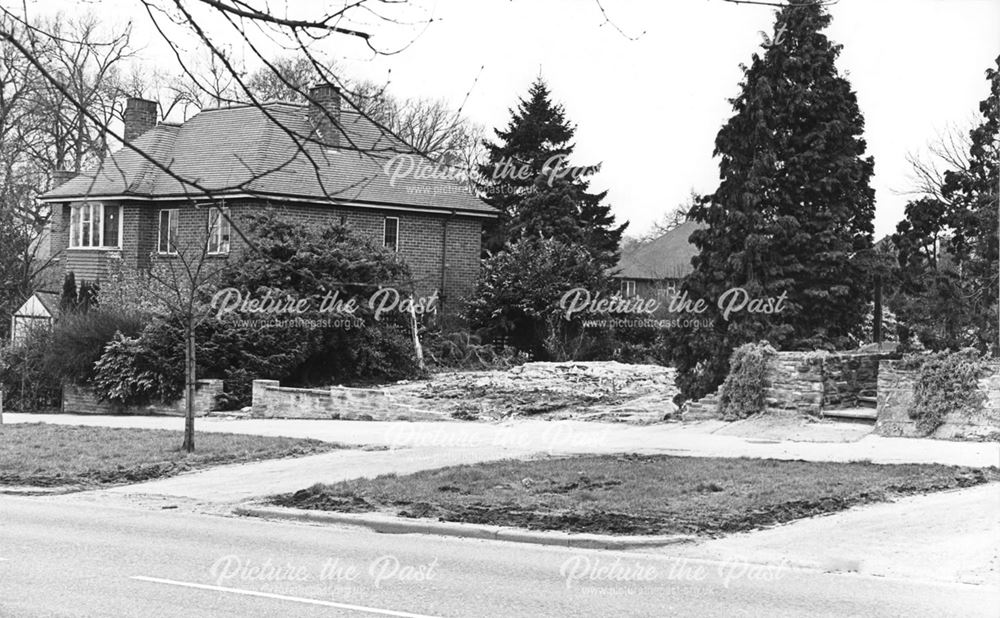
[60, 557]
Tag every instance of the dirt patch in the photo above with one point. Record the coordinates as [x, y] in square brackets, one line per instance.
[636, 494]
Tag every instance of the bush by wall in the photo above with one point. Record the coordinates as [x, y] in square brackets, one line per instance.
[291, 259]
[32, 373]
[133, 372]
[947, 382]
[78, 340]
[742, 392]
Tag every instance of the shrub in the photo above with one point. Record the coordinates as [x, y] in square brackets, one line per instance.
[131, 373]
[303, 262]
[518, 294]
[78, 340]
[33, 372]
[27, 384]
[946, 383]
[742, 392]
[237, 391]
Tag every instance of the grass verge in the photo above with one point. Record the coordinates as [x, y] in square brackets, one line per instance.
[632, 494]
[42, 455]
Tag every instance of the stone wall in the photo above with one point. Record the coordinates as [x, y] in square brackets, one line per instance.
[895, 400]
[795, 382]
[79, 400]
[271, 400]
[811, 382]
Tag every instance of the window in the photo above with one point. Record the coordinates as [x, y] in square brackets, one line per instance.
[168, 231]
[219, 230]
[95, 225]
[627, 288]
[666, 291]
[391, 233]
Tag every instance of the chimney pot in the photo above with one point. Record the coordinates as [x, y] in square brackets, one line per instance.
[324, 114]
[140, 116]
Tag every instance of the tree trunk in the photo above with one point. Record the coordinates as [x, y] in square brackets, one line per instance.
[418, 350]
[877, 312]
[189, 386]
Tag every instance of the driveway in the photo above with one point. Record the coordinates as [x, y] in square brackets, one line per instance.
[236, 483]
[951, 536]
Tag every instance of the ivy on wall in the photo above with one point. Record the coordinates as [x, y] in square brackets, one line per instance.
[947, 383]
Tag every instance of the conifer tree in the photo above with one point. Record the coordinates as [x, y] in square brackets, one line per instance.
[69, 298]
[793, 211]
[521, 180]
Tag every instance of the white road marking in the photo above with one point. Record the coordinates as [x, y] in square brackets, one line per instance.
[282, 597]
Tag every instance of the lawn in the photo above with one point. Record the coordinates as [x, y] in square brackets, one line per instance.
[632, 494]
[59, 455]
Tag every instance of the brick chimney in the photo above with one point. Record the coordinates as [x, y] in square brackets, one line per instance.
[59, 177]
[324, 114]
[140, 116]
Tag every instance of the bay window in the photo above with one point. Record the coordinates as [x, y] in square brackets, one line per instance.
[95, 225]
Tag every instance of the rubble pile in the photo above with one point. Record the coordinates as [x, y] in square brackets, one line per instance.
[587, 390]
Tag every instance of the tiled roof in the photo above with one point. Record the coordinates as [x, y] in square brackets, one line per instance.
[666, 257]
[51, 301]
[256, 150]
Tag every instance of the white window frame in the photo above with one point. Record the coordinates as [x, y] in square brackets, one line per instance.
[173, 223]
[221, 234]
[385, 228]
[95, 225]
[627, 288]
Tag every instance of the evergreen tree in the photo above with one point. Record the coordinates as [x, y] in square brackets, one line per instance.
[947, 248]
[68, 299]
[87, 296]
[793, 211]
[522, 180]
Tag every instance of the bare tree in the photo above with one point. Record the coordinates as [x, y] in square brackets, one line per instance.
[183, 281]
[948, 152]
[41, 131]
[667, 222]
[86, 60]
[288, 78]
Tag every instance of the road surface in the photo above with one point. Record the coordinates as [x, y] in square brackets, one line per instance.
[65, 557]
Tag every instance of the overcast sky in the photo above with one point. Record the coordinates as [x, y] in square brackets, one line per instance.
[650, 108]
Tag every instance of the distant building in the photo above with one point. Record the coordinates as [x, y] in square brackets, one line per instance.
[656, 268]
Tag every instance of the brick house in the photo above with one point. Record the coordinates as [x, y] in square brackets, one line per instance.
[315, 163]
